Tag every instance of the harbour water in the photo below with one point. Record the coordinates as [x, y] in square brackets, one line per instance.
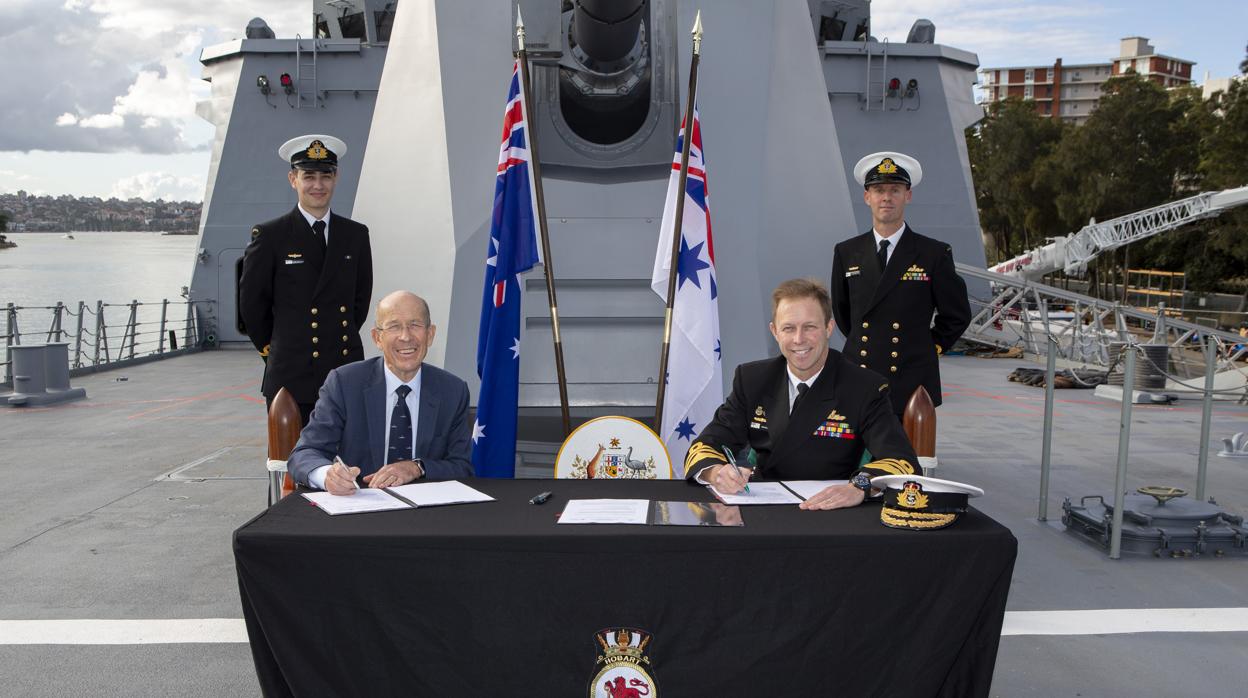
[113, 267]
[116, 268]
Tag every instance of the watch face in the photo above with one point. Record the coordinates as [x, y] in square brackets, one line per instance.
[862, 481]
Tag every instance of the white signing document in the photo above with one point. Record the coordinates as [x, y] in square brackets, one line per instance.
[359, 502]
[759, 493]
[605, 511]
[809, 488]
[434, 494]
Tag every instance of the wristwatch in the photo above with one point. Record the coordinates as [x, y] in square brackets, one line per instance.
[421, 463]
[862, 481]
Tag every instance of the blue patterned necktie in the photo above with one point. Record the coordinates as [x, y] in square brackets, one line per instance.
[400, 428]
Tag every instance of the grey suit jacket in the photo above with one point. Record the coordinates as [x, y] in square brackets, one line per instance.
[349, 420]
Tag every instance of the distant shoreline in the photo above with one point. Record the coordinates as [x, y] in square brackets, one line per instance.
[84, 232]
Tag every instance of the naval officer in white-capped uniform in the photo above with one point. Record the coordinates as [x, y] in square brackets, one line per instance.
[895, 293]
[307, 279]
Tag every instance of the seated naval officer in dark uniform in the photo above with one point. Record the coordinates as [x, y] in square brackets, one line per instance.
[807, 414]
[887, 282]
[307, 279]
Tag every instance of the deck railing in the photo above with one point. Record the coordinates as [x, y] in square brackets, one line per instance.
[99, 338]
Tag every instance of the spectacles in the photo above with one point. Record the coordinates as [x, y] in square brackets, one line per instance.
[413, 327]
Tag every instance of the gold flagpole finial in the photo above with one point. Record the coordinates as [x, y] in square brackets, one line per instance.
[697, 33]
[519, 29]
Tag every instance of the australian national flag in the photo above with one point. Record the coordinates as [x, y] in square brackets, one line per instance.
[694, 383]
[513, 250]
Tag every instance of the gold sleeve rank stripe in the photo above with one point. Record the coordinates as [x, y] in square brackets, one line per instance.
[699, 452]
[891, 466]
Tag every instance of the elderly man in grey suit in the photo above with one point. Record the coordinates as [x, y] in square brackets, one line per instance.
[390, 419]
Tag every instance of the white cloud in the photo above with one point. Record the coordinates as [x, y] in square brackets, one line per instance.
[102, 121]
[159, 185]
[126, 72]
[1005, 31]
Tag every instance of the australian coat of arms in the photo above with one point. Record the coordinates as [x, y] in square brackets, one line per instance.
[614, 460]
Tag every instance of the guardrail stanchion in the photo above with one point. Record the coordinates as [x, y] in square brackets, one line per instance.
[1124, 438]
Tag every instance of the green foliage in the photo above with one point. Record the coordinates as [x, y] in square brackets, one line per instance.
[1127, 156]
[1142, 147]
[1003, 152]
[4, 221]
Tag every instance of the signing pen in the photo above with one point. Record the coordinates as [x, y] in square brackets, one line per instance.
[541, 498]
[339, 462]
[733, 462]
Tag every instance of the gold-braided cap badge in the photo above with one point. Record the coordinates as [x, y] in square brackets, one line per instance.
[317, 151]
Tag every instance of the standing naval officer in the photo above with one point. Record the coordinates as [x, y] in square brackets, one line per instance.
[307, 279]
[888, 282]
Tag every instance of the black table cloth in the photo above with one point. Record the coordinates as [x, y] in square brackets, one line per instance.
[495, 599]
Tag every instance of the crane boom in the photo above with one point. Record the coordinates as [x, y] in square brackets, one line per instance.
[1073, 252]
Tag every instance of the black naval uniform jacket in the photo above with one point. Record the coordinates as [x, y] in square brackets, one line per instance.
[887, 319]
[305, 304]
[845, 410]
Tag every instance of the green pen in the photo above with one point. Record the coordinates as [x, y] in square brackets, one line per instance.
[733, 462]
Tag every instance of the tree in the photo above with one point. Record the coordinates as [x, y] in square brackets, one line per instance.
[4, 221]
[1129, 155]
[1223, 166]
[1003, 150]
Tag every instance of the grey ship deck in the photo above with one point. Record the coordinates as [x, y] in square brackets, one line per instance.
[121, 507]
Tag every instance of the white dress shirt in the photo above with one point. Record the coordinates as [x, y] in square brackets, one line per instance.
[892, 240]
[794, 380]
[312, 219]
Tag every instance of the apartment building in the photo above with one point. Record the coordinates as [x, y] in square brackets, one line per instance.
[1073, 91]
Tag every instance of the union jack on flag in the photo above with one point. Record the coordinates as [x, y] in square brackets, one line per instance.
[513, 250]
[694, 374]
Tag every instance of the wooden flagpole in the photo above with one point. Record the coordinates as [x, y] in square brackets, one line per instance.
[547, 264]
[680, 213]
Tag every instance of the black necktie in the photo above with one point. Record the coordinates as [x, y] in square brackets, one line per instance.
[882, 254]
[400, 428]
[318, 227]
[801, 390]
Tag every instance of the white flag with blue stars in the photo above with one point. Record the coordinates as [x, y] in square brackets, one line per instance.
[694, 374]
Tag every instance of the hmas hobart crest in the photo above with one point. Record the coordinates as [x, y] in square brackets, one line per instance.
[622, 665]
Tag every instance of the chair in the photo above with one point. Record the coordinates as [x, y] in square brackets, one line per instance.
[613, 448]
[284, 427]
[919, 422]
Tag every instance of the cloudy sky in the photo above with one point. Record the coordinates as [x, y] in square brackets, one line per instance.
[99, 96]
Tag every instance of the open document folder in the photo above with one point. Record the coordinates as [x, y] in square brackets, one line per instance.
[421, 494]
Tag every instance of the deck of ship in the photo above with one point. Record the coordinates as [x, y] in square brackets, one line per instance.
[121, 507]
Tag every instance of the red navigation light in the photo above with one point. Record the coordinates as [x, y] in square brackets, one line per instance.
[894, 84]
[287, 82]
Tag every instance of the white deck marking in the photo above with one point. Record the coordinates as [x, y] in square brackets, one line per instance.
[1113, 621]
[122, 632]
[232, 630]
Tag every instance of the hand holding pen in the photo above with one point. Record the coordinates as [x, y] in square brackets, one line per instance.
[737, 478]
[340, 479]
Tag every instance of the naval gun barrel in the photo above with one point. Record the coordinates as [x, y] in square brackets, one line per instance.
[604, 79]
[606, 30]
